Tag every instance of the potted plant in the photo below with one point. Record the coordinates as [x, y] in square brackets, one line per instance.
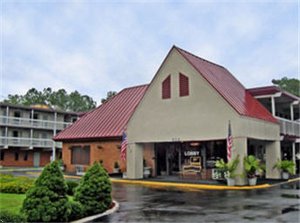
[287, 167]
[116, 167]
[228, 169]
[147, 170]
[252, 167]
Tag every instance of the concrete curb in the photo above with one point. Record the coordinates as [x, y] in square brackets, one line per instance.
[91, 218]
[189, 186]
[3, 170]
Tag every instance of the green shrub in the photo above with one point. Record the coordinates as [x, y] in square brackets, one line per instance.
[6, 216]
[76, 210]
[16, 185]
[71, 187]
[47, 200]
[285, 166]
[14, 188]
[94, 190]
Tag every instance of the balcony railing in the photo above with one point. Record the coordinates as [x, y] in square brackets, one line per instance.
[33, 123]
[28, 142]
[289, 127]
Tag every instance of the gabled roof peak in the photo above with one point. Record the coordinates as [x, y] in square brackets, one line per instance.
[180, 49]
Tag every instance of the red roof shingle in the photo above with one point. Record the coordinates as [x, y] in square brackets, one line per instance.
[106, 121]
[228, 87]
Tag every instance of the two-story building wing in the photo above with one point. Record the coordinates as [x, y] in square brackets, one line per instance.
[26, 134]
[285, 108]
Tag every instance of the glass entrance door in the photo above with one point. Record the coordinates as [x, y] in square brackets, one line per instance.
[167, 158]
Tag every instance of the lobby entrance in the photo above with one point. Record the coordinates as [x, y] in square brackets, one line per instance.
[173, 157]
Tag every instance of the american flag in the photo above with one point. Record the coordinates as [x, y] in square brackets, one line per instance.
[124, 146]
[229, 143]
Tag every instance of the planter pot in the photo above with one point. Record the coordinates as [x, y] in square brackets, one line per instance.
[116, 170]
[285, 175]
[252, 181]
[163, 173]
[147, 172]
[230, 181]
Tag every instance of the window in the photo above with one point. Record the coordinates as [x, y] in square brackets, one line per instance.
[183, 85]
[166, 88]
[25, 155]
[17, 114]
[16, 156]
[2, 155]
[80, 155]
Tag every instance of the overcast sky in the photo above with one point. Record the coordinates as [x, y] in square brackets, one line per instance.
[97, 46]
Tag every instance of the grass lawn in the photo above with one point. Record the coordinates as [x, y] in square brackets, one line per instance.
[11, 202]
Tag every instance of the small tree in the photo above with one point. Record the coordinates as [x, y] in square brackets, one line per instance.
[94, 190]
[47, 201]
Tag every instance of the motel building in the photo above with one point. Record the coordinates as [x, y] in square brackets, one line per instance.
[182, 116]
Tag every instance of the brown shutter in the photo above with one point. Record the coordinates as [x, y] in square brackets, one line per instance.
[166, 88]
[183, 85]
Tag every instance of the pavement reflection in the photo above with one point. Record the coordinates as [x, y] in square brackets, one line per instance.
[145, 204]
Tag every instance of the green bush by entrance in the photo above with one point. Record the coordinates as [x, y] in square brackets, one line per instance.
[47, 201]
[94, 190]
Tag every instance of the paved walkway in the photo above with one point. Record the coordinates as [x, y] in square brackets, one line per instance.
[212, 185]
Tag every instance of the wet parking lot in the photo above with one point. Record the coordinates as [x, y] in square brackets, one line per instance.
[145, 204]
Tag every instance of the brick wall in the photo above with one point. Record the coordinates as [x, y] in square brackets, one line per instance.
[9, 158]
[107, 151]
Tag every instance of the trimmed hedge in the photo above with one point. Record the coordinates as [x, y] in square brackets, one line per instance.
[13, 184]
[94, 190]
[6, 216]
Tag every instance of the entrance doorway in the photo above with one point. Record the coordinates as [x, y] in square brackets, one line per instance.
[168, 158]
[36, 159]
[172, 156]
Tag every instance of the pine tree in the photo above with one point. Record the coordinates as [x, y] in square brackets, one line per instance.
[94, 190]
[47, 201]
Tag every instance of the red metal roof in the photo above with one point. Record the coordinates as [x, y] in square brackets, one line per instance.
[106, 121]
[228, 87]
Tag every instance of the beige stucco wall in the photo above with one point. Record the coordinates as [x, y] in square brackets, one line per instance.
[203, 115]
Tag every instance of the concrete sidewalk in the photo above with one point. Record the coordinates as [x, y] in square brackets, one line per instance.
[197, 186]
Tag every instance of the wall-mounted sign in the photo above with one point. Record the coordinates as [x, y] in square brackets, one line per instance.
[194, 144]
[191, 153]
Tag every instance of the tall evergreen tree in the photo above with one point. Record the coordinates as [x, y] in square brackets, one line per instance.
[47, 201]
[291, 85]
[60, 99]
[94, 190]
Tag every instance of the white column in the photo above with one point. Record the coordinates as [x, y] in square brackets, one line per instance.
[294, 152]
[6, 128]
[31, 130]
[134, 161]
[54, 133]
[292, 111]
[240, 148]
[273, 105]
[273, 154]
